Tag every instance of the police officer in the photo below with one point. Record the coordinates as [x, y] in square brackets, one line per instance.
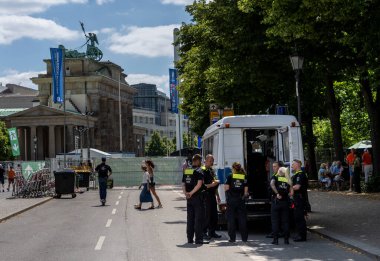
[299, 180]
[210, 191]
[192, 182]
[236, 188]
[104, 171]
[280, 204]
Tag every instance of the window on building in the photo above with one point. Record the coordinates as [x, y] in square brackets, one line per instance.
[141, 119]
[151, 132]
[151, 120]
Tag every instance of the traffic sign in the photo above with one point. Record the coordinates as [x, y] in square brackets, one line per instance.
[213, 107]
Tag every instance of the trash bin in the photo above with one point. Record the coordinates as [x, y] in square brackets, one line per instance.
[83, 178]
[65, 183]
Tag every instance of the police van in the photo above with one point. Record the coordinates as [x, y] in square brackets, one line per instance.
[256, 141]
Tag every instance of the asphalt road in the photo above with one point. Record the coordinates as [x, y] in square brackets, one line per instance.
[79, 229]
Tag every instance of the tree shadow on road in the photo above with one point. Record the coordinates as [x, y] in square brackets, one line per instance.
[188, 245]
[175, 222]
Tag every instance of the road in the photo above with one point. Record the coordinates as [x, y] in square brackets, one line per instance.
[80, 229]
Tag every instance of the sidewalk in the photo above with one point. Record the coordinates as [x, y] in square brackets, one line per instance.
[13, 207]
[350, 219]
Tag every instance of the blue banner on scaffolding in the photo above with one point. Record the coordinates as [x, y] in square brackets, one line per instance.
[57, 56]
[173, 90]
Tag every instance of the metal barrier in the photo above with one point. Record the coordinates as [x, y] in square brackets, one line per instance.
[38, 184]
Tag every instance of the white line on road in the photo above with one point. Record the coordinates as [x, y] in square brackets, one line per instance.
[121, 193]
[100, 243]
[117, 203]
[109, 221]
[119, 197]
[114, 211]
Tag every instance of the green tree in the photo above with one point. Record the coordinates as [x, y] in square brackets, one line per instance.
[169, 145]
[5, 147]
[224, 59]
[155, 146]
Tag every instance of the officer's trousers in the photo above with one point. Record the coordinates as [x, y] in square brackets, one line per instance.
[299, 216]
[103, 188]
[280, 214]
[236, 208]
[195, 217]
[211, 213]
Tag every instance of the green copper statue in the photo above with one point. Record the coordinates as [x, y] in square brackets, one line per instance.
[92, 51]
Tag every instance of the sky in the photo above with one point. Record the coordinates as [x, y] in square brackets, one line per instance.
[135, 34]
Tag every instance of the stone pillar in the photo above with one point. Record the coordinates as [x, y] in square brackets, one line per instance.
[33, 132]
[69, 138]
[58, 139]
[52, 141]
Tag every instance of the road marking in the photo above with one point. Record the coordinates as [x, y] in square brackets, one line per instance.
[114, 211]
[109, 221]
[119, 197]
[117, 203]
[121, 193]
[100, 243]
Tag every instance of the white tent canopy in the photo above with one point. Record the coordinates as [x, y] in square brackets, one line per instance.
[363, 144]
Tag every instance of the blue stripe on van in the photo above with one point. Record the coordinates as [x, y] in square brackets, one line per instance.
[223, 174]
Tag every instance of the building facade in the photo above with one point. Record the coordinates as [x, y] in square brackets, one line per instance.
[93, 93]
[151, 111]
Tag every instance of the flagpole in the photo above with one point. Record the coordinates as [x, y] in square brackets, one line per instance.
[64, 108]
[120, 129]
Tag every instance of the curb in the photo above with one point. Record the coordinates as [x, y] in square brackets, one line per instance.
[24, 210]
[345, 244]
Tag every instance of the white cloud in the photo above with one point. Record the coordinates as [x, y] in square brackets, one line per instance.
[162, 81]
[14, 27]
[145, 41]
[177, 2]
[101, 2]
[20, 78]
[25, 7]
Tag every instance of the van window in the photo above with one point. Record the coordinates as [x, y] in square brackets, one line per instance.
[215, 148]
[208, 145]
[285, 146]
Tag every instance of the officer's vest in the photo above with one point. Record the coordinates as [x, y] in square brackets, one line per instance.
[188, 175]
[282, 183]
[237, 181]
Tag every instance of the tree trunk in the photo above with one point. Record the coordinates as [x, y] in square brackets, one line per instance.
[373, 109]
[310, 141]
[333, 111]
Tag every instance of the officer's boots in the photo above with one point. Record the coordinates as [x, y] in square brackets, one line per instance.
[275, 240]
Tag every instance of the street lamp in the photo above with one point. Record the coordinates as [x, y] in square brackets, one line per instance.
[297, 63]
[138, 147]
[35, 147]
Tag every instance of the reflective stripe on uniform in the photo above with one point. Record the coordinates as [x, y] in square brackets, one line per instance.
[203, 167]
[189, 171]
[283, 179]
[238, 176]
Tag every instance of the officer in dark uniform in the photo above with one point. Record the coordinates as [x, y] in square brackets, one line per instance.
[192, 183]
[236, 188]
[104, 171]
[211, 207]
[280, 205]
[299, 180]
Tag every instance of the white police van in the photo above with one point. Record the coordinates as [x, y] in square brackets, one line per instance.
[256, 141]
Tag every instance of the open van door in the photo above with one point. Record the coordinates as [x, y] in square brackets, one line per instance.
[295, 144]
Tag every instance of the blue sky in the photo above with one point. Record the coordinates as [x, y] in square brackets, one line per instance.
[136, 34]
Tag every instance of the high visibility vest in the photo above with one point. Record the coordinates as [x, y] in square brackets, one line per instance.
[238, 181]
[188, 174]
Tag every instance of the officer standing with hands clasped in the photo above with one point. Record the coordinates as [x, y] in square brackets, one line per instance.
[299, 180]
[104, 171]
[281, 190]
[211, 207]
[192, 183]
[236, 188]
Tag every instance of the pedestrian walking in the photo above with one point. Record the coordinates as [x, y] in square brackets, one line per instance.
[152, 184]
[300, 185]
[145, 195]
[11, 178]
[350, 161]
[357, 173]
[192, 182]
[367, 165]
[210, 203]
[236, 188]
[104, 171]
[281, 188]
[2, 173]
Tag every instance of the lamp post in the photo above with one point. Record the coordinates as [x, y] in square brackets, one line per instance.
[297, 63]
[138, 147]
[35, 147]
